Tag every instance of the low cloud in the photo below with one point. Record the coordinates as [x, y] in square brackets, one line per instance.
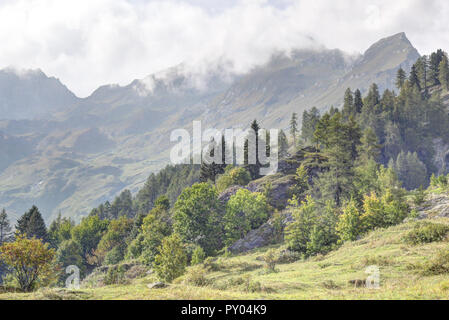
[88, 43]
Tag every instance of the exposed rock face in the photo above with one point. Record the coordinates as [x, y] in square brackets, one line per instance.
[260, 237]
[441, 158]
[436, 206]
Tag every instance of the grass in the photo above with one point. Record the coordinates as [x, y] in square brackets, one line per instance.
[244, 276]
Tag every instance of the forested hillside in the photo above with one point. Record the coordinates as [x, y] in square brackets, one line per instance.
[342, 175]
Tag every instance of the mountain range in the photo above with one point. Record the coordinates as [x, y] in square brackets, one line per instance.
[67, 154]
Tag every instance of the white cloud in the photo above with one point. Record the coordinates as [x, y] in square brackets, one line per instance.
[87, 43]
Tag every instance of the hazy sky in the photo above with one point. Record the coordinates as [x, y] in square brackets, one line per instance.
[87, 43]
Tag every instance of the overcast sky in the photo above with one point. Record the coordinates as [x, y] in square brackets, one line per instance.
[87, 43]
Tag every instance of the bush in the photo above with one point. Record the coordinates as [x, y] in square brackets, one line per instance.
[115, 275]
[234, 176]
[287, 256]
[171, 262]
[270, 258]
[438, 265]
[419, 196]
[426, 232]
[210, 264]
[197, 276]
[349, 226]
[198, 256]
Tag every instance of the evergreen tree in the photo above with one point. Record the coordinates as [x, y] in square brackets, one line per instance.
[358, 101]
[309, 122]
[340, 142]
[400, 78]
[253, 168]
[6, 234]
[434, 67]
[294, 128]
[348, 106]
[414, 78]
[444, 73]
[410, 170]
[32, 225]
[282, 144]
[210, 169]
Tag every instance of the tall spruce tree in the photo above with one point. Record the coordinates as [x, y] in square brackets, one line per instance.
[414, 78]
[348, 106]
[294, 127]
[32, 225]
[400, 78]
[5, 228]
[444, 73]
[358, 101]
[309, 122]
[282, 144]
[434, 67]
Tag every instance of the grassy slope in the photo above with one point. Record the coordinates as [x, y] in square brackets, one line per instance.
[318, 278]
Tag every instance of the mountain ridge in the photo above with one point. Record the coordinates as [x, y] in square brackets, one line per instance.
[94, 148]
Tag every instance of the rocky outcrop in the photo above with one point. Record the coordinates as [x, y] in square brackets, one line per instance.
[436, 206]
[261, 237]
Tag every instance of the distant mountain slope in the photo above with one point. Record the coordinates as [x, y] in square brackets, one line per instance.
[286, 85]
[93, 148]
[31, 94]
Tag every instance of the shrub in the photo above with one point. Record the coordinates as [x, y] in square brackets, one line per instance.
[198, 256]
[349, 226]
[197, 276]
[299, 231]
[171, 262]
[438, 265]
[234, 176]
[210, 264]
[115, 275]
[419, 196]
[287, 256]
[270, 258]
[426, 232]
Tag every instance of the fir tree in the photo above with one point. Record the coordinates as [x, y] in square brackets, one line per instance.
[400, 78]
[32, 225]
[348, 106]
[358, 101]
[414, 78]
[444, 73]
[283, 144]
[294, 127]
[5, 228]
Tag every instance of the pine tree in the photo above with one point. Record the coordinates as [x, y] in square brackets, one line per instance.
[5, 228]
[348, 106]
[283, 144]
[358, 101]
[294, 127]
[32, 225]
[253, 169]
[210, 170]
[414, 78]
[310, 120]
[400, 78]
[444, 73]
[434, 67]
